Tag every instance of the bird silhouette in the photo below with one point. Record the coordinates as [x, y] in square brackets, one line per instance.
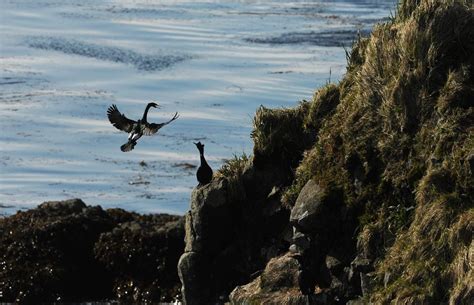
[136, 129]
[204, 172]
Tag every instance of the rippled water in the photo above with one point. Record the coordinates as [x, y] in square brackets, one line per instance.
[62, 63]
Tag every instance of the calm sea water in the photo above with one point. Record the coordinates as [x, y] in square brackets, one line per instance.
[62, 63]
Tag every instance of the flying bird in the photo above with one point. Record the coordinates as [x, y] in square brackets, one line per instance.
[136, 129]
[204, 172]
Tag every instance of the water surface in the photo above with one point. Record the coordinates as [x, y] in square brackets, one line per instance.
[62, 63]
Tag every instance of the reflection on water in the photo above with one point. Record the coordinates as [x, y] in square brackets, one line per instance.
[64, 62]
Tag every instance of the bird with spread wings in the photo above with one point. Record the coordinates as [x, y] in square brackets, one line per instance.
[136, 129]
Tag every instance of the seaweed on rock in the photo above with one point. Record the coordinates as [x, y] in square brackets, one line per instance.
[65, 251]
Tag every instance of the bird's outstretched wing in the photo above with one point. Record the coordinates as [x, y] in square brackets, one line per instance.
[152, 128]
[119, 120]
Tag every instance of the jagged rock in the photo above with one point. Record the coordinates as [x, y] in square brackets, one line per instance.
[210, 194]
[192, 273]
[68, 251]
[366, 283]
[362, 264]
[208, 223]
[359, 266]
[141, 256]
[208, 230]
[336, 284]
[63, 207]
[280, 272]
[237, 226]
[273, 205]
[314, 209]
[264, 182]
[301, 240]
[295, 249]
[341, 288]
[192, 239]
[334, 265]
[277, 282]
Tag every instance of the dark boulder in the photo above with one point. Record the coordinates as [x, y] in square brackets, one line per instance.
[68, 251]
[194, 278]
[316, 209]
[48, 253]
[141, 256]
[233, 228]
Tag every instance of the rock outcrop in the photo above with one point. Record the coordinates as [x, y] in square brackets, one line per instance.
[66, 251]
[375, 180]
[232, 230]
[276, 285]
[362, 195]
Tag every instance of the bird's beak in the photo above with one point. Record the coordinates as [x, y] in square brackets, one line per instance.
[195, 143]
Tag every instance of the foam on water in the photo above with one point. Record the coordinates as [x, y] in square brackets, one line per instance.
[62, 63]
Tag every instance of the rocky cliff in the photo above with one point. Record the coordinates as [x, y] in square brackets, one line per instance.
[363, 194]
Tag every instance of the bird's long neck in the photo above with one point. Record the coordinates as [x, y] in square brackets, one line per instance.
[146, 113]
[203, 160]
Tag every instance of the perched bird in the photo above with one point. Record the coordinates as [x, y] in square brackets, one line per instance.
[204, 172]
[136, 129]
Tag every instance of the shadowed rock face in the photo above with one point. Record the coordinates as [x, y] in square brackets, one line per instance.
[232, 229]
[67, 251]
[382, 199]
[315, 209]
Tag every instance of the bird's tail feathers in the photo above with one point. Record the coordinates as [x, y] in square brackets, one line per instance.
[128, 146]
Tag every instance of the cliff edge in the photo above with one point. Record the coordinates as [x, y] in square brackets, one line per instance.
[364, 193]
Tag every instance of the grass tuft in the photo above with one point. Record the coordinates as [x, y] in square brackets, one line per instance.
[278, 135]
[233, 169]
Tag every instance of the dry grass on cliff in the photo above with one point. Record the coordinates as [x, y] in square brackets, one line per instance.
[396, 135]
[233, 169]
[322, 106]
[401, 146]
[282, 135]
[278, 136]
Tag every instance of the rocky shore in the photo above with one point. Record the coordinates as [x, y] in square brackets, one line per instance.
[362, 195]
[66, 251]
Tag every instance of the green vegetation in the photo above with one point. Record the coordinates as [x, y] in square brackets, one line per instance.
[232, 169]
[396, 136]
